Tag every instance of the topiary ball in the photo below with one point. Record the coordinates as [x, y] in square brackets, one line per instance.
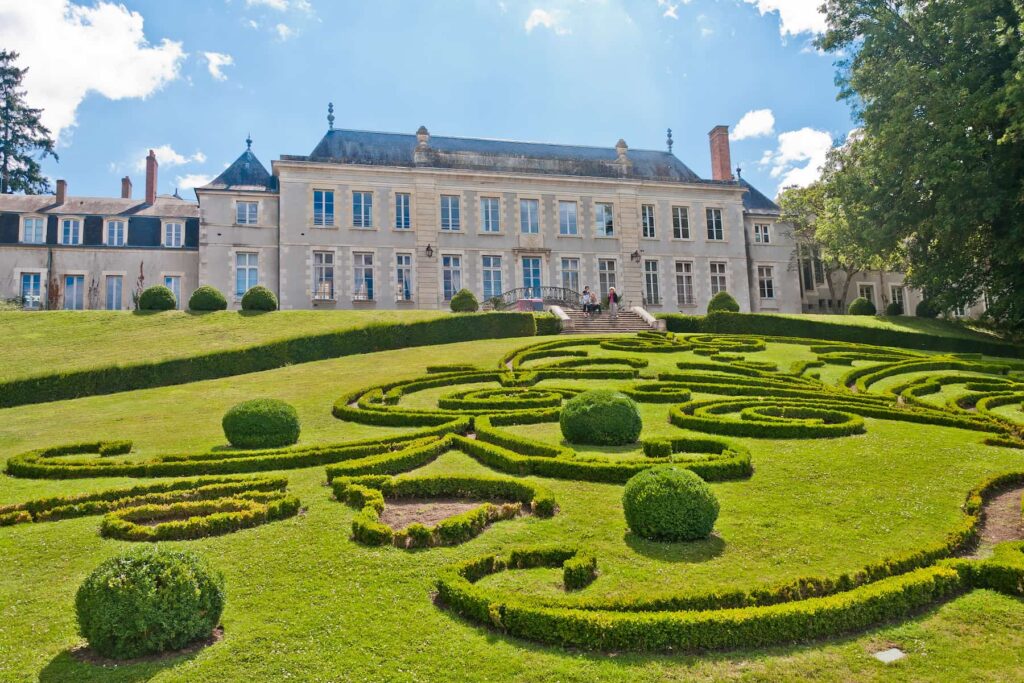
[157, 298]
[464, 301]
[261, 423]
[602, 418]
[147, 601]
[207, 298]
[669, 503]
[926, 309]
[894, 309]
[861, 306]
[723, 301]
[259, 298]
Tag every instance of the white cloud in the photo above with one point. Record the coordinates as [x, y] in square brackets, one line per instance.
[705, 32]
[799, 157]
[754, 124]
[167, 156]
[671, 11]
[279, 5]
[552, 20]
[795, 16]
[193, 180]
[72, 51]
[215, 62]
[284, 32]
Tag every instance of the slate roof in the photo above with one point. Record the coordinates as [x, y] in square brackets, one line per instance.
[755, 201]
[166, 206]
[397, 149]
[245, 174]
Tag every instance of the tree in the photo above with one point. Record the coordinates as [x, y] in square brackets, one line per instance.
[937, 173]
[22, 135]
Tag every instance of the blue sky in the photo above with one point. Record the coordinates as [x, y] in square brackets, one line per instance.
[191, 78]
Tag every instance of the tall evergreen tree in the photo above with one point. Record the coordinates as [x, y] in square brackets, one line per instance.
[937, 171]
[23, 138]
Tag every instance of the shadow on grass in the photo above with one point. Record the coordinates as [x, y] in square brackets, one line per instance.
[67, 667]
[686, 551]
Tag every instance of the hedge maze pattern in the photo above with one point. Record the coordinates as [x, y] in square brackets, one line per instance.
[716, 393]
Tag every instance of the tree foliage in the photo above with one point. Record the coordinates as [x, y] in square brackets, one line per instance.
[23, 137]
[937, 171]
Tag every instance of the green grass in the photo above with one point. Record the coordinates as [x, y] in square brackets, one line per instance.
[306, 603]
[54, 341]
[903, 323]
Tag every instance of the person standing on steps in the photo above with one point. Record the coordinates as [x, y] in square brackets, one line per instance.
[613, 303]
[587, 301]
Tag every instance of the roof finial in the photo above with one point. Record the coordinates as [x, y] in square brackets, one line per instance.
[330, 116]
[739, 172]
[248, 141]
[668, 141]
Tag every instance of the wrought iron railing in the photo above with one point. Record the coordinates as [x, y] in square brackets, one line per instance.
[561, 296]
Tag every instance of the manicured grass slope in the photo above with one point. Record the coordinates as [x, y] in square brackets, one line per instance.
[305, 602]
[902, 323]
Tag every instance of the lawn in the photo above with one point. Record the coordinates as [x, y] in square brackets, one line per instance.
[307, 603]
[902, 323]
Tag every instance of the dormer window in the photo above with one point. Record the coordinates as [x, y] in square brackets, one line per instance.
[33, 230]
[71, 231]
[116, 234]
[246, 213]
[173, 235]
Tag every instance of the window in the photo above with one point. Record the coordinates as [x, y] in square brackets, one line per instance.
[246, 272]
[115, 233]
[680, 223]
[765, 282]
[71, 231]
[492, 276]
[403, 212]
[173, 283]
[807, 271]
[362, 209]
[897, 296]
[114, 289]
[684, 283]
[959, 311]
[761, 234]
[450, 212]
[714, 217]
[652, 288]
[363, 268]
[866, 292]
[647, 219]
[451, 275]
[245, 213]
[403, 277]
[718, 283]
[172, 234]
[529, 220]
[323, 276]
[571, 273]
[605, 275]
[32, 291]
[490, 209]
[604, 221]
[34, 231]
[323, 207]
[567, 218]
[74, 292]
[531, 276]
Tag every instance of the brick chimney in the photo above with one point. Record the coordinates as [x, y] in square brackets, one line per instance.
[62, 191]
[721, 164]
[126, 188]
[151, 167]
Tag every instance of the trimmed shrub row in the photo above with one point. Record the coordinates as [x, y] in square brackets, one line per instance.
[226, 363]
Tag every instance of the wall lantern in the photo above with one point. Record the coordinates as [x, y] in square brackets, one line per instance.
[635, 256]
[430, 251]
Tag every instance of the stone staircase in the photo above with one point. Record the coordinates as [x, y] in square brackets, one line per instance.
[627, 321]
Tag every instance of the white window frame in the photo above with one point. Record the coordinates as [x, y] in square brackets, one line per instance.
[324, 267]
[82, 293]
[762, 234]
[567, 227]
[410, 275]
[490, 215]
[684, 283]
[647, 221]
[573, 273]
[403, 218]
[364, 218]
[898, 295]
[107, 224]
[167, 231]
[652, 282]
[766, 283]
[719, 281]
[40, 298]
[607, 278]
[251, 214]
[607, 211]
[248, 267]
[681, 223]
[452, 205]
[24, 229]
[60, 230]
[174, 278]
[325, 219]
[106, 291]
[871, 286]
[715, 223]
[532, 226]
[454, 271]
[363, 264]
[490, 273]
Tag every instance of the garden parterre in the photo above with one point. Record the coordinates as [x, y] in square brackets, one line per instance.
[521, 388]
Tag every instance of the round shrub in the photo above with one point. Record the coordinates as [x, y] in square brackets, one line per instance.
[926, 309]
[723, 301]
[894, 308]
[261, 423]
[157, 298]
[861, 306]
[669, 503]
[207, 298]
[600, 417]
[147, 601]
[259, 298]
[464, 302]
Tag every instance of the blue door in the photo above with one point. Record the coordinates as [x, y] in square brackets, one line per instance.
[31, 290]
[531, 276]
